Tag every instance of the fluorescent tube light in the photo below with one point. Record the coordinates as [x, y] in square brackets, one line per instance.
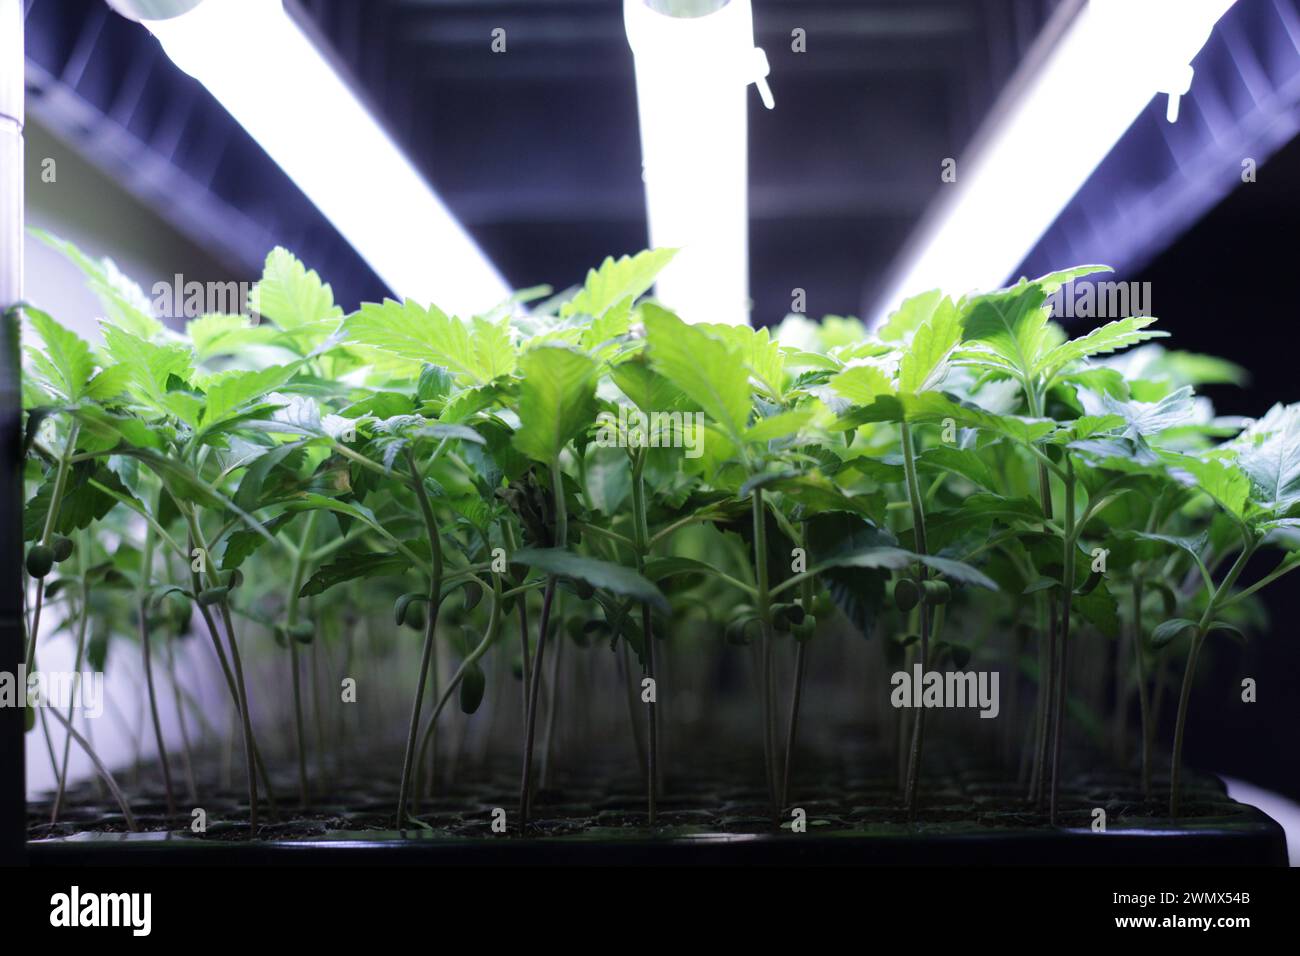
[260, 65]
[1028, 164]
[692, 74]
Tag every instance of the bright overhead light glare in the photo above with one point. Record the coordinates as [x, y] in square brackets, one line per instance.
[692, 74]
[257, 62]
[1033, 157]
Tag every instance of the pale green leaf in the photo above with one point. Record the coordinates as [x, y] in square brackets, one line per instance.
[66, 362]
[124, 302]
[1111, 337]
[862, 384]
[557, 400]
[616, 281]
[910, 315]
[705, 368]
[291, 295]
[925, 360]
[429, 335]
[223, 333]
[1221, 480]
[614, 578]
[227, 391]
[899, 559]
[1273, 465]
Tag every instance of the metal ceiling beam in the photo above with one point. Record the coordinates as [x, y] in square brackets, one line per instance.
[1161, 178]
[471, 27]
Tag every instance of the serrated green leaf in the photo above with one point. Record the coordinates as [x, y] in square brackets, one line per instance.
[1111, 337]
[647, 389]
[1143, 419]
[428, 335]
[124, 302]
[910, 315]
[705, 368]
[1223, 481]
[226, 392]
[925, 360]
[1009, 329]
[965, 462]
[759, 352]
[1099, 608]
[1273, 465]
[862, 384]
[291, 295]
[780, 425]
[616, 282]
[937, 408]
[614, 578]
[66, 362]
[898, 559]
[557, 400]
[353, 567]
[494, 350]
[150, 366]
[223, 333]
[1166, 631]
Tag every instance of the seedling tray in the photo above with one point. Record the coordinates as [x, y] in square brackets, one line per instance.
[970, 819]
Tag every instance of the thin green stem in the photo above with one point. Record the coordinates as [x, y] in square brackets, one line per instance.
[196, 534]
[1185, 695]
[530, 722]
[430, 626]
[142, 603]
[84, 619]
[1067, 600]
[642, 543]
[1144, 703]
[763, 602]
[920, 545]
[297, 569]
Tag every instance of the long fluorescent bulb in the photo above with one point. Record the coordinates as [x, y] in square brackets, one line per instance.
[692, 74]
[257, 62]
[1063, 121]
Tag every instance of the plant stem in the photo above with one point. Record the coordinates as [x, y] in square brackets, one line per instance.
[652, 723]
[146, 569]
[800, 663]
[548, 734]
[430, 626]
[764, 605]
[918, 533]
[291, 618]
[187, 751]
[642, 542]
[629, 686]
[76, 681]
[231, 686]
[489, 636]
[51, 519]
[530, 723]
[241, 688]
[1144, 705]
[522, 598]
[107, 777]
[800, 667]
[1184, 697]
[1047, 675]
[1067, 599]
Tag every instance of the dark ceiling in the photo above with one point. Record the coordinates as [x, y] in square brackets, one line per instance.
[537, 150]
